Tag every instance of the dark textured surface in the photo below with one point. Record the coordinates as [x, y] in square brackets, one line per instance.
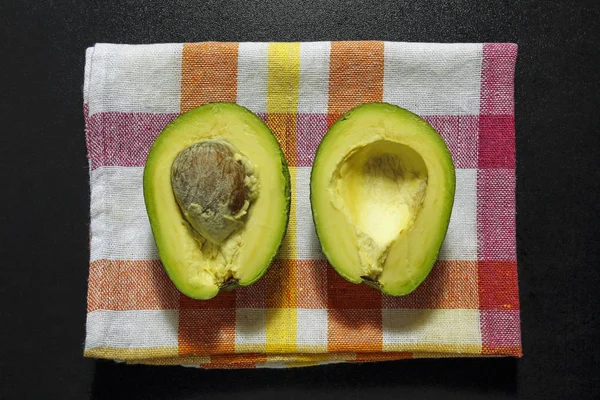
[44, 252]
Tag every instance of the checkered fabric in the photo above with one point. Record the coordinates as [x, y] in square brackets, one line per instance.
[302, 312]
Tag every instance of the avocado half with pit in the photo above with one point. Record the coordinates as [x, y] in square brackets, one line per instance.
[217, 194]
[382, 191]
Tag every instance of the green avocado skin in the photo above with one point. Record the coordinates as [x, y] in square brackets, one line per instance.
[322, 148]
[153, 156]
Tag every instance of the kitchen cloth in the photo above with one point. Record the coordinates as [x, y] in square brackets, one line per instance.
[302, 312]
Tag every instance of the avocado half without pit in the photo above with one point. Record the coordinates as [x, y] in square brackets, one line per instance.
[217, 194]
[382, 191]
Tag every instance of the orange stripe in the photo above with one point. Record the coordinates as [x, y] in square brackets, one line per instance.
[498, 285]
[342, 294]
[203, 331]
[450, 285]
[283, 127]
[281, 285]
[252, 296]
[175, 360]
[355, 74]
[130, 285]
[388, 356]
[515, 351]
[247, 360]
[207, 326]
[312, 283]
[355, 331]
[225, 300]
[208, 73]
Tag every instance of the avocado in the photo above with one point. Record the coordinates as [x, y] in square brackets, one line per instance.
[382, 190]
[217, 194]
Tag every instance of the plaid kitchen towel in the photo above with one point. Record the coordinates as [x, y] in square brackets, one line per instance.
[302, 312]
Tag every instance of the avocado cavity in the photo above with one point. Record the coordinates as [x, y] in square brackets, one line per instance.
[380, 188]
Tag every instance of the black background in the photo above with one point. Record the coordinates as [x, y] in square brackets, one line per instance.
[45, 199]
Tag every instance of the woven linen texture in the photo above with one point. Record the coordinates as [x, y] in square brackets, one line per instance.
[302, 312]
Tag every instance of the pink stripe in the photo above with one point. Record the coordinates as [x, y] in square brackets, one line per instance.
[496, 214]
[496, 123]
[460, 134]
[122, 139]
[310, 129]
[500, 329]
[497, 141]
[497, 78]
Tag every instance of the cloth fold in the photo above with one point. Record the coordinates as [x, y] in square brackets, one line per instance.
[302, 312]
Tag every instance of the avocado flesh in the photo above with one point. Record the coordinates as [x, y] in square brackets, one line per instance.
[382, 191]
[198, 267]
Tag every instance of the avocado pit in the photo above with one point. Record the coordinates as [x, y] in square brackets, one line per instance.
[209, 183]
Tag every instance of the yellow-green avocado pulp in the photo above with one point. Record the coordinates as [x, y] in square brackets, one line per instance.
[382, 191]
[198, 267]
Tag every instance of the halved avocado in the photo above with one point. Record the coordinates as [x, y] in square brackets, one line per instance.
[382, 191]
[217, 193]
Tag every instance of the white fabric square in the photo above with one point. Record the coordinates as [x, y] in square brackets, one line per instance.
[253, 74]
[89, 52]
[313, 329]
[433, 78]
[314, 77]
[135, 78]
[309, 247]
[461, 238]
[119, 225]
[132, 329]
[250, 326]
[444, 327]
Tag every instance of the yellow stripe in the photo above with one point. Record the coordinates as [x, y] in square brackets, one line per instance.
[132, 353]
[309, 358]
[284, 78]
[250, 348]
[282, 98]
[433, 348]
[281, 330]
[312, 348]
